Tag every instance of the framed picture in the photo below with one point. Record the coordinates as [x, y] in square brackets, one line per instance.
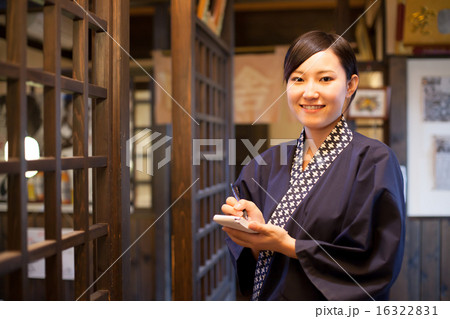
[212, 12]
[370, 103]
[428, 149]
[427, 22]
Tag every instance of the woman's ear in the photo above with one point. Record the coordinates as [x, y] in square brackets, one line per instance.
[352, 85]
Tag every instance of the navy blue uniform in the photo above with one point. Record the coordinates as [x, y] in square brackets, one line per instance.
[355, 212]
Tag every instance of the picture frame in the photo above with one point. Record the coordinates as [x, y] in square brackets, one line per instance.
[370, 103]
[428, 136]
[426, 24]
[212, 12]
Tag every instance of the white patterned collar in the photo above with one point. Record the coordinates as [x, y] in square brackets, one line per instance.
[335, 142]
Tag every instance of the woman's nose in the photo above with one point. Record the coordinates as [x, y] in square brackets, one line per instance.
[310, 91]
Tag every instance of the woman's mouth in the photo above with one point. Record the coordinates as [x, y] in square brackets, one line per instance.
[312, 107]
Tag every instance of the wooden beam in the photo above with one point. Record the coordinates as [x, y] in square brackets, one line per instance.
[142, 11]
[253, 6]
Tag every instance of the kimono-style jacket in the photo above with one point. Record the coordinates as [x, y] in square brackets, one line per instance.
[355, 212]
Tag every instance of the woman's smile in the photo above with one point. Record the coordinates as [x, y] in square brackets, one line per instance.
[312, 107]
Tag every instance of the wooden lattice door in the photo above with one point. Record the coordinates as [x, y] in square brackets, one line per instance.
[98, 88]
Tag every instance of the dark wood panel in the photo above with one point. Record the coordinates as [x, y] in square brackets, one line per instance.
[407, 286]
[424, 274]
[430, 259]
[412, 259]
[143, 256]
[139, 30]
[252, 30]
[37, 289]
[445, 259]
[161, 193]
[342, 17]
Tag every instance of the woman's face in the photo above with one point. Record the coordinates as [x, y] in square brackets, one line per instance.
[317, 91]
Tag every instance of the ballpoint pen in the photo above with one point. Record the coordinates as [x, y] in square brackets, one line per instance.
[236, 195]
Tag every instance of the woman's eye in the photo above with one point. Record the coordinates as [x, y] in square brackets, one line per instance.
[297, 79]
[326, 79]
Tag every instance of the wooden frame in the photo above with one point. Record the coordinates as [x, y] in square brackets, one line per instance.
[100, 242]
[370, 103]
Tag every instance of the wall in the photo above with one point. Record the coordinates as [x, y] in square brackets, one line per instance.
[425, 272]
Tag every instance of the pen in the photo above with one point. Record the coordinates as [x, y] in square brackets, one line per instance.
[236, 195]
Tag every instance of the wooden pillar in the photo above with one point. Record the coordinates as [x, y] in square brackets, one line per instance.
[182, 14]
[120, 189]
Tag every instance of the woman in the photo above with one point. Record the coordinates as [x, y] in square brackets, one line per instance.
[330, 218]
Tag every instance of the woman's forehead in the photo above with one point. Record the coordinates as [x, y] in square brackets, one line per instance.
[321, 62]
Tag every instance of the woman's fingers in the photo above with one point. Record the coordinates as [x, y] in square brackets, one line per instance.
[239, 237]
[245, 204]
[254, 214]
[228, 209]
[231, 201]
[258, 227]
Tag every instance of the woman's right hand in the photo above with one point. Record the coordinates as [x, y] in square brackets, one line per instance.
[235, 208]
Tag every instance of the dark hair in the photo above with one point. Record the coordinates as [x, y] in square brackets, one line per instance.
[313, 42]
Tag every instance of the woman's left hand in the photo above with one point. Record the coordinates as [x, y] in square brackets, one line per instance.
[269, 237]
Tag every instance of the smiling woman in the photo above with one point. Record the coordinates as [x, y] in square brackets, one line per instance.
[318, 91]
[330, 223]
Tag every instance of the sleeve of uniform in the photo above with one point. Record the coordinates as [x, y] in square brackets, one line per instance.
[363, 261]
[242, 258]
